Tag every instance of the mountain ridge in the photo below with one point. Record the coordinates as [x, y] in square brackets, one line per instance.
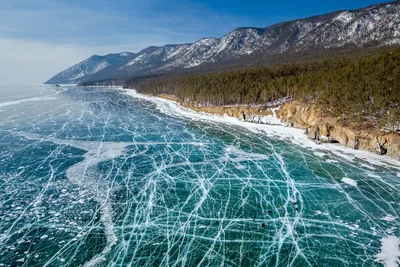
[375, 26]
[89, 66]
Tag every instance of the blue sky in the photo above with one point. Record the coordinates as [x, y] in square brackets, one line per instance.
[51, 35]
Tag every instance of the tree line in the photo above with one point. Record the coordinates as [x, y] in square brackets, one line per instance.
[358, 88]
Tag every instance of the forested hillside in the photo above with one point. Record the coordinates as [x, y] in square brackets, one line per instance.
[353, 88]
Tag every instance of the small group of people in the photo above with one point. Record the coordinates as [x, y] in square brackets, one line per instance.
[282, 210]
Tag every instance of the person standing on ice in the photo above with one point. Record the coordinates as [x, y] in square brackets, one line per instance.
[282, 209]
[295, 206]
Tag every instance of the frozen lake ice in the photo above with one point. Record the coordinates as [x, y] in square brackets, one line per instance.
[105, 177]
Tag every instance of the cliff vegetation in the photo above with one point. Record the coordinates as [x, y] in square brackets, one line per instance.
[354, 89]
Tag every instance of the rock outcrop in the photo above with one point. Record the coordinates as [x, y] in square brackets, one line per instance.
[327, 129]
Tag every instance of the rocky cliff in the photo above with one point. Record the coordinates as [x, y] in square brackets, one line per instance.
[320, 127]
[317, 125]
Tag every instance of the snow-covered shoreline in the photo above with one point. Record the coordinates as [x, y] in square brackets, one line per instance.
[295, 135]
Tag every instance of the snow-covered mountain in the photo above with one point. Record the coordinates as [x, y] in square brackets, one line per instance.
[90, 66]
[375, 26]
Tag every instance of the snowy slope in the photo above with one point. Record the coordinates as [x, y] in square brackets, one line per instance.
[377, 25]
[89, 67]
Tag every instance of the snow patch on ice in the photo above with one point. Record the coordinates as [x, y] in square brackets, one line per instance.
[349, 181]
[318, 212]
[319, 154]
[332, 161]
[390, 252]
[389, 218]
[374, 176]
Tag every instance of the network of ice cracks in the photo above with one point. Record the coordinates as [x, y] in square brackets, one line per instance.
[99, 178]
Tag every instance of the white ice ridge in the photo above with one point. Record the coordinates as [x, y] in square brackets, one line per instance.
[295, 135]
[390, 252]
[16, 102]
